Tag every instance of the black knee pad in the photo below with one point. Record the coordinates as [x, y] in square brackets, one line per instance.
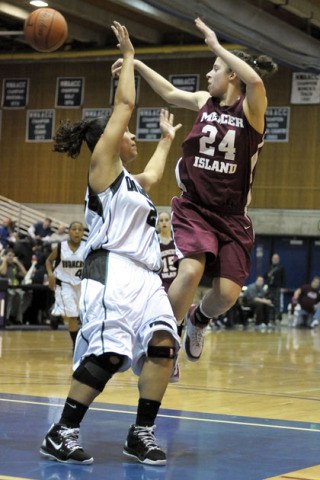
[96, 371]
[161, 352]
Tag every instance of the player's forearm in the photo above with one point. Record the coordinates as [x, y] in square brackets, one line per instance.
[125, 92]
[156, 81]
[240, 67]
[157, 162]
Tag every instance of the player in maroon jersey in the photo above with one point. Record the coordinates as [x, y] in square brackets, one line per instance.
[212, 231]
[167, 247]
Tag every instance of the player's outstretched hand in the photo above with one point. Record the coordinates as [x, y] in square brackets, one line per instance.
[123, 38]
[210, 37]
[167, 128]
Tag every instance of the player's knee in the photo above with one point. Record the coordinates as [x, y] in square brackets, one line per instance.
[96, 371]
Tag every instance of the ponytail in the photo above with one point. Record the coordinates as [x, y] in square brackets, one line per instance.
[265, 66]
[262, 64]
[70, 136]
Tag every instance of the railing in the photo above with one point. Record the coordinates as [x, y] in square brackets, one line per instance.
[23, 216]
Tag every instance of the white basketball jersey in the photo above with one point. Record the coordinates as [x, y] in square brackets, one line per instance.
[122, 219]
[69, 269]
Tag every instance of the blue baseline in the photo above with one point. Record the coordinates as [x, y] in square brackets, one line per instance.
[199, 445]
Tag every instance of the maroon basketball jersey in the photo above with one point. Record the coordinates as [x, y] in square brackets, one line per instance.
[219, 158]
[169, 270]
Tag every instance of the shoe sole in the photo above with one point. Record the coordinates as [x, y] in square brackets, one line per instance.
[49, 456]
[174, 379]
[147, 461]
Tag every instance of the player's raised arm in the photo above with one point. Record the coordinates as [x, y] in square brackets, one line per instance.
[172, 95]
[106, 163]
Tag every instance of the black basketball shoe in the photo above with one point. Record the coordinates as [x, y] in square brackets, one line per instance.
[142, 445]
[62, 444]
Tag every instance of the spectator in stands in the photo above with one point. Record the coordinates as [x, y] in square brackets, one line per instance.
[256, 297]
[57, 237]
[306, 299]
[42, 297]
[13, 270]
[23, 250]
[41, 230]
[316, 316]
[234, 317]
[7, 235]
[275, 279]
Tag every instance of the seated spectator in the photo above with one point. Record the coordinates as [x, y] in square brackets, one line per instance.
[7, 235]
[256, 297]
[230, 319]
[41, 230]
[57, 237]
[23, 250]
[316, 316]
[306, 299]
[13, 270]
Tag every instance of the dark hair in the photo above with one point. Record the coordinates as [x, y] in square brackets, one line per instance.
[69, 136]
[262, 64]
[73, 223]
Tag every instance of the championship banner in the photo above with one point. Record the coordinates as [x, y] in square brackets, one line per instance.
[15, 92]
[187, 82]
[277, 124]
[91, 113]
[148, 125]
[69, 92]
[40, 125]
[305, 88]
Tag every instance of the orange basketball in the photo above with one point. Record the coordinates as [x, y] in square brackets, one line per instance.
[45, 29]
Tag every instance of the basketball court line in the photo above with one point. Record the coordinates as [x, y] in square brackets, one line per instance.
[197, 417]
[312, 473]
[230, 437]
[5, 477]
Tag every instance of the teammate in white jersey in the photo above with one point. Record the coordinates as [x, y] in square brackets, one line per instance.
[64, 266]
[127, 320]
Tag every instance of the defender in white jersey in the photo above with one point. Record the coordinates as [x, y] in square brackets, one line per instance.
[64, 266]
[127, 320]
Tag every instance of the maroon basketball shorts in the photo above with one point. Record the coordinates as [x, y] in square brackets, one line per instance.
[227, 240]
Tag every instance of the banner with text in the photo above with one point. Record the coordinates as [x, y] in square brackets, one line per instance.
[91, 113]
[187, 82]
[69, 92]
[277, 124]
[148, 124]
[305, 88]
[40, 125]
[15, 92]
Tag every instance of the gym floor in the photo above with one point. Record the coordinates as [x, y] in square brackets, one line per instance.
[248, 410]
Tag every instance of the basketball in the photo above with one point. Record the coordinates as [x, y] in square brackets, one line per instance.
[45, 29]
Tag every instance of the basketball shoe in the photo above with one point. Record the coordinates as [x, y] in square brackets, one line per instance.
[142, 445]
[194, 336]
[62, 444]
[175, 376]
